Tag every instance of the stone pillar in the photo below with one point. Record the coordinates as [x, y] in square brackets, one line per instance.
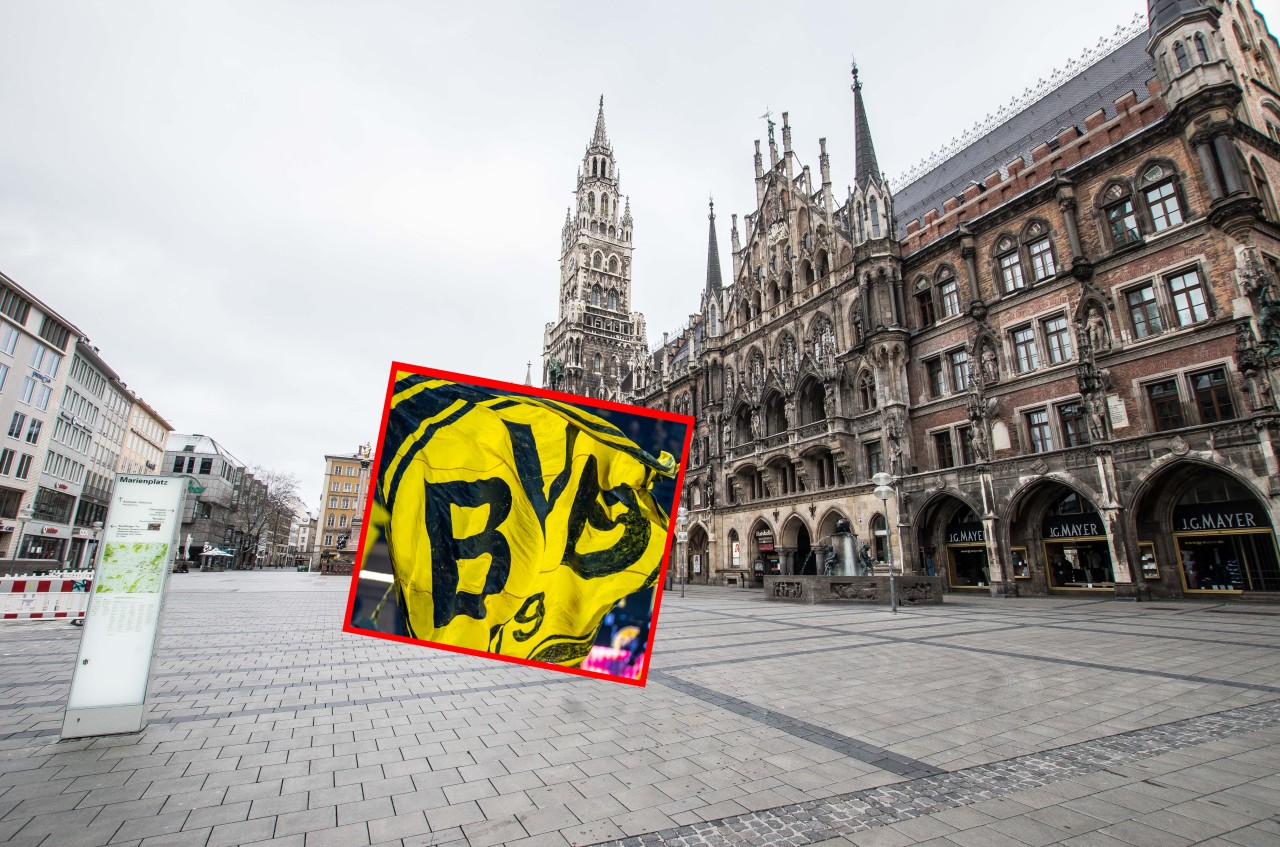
[1067, 202]
[1113, 515]
[969, 252]
[1210, 171]
[786, 556]
[1230, 161]
[843, 543]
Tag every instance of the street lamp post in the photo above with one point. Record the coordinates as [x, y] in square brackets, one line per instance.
[884, 490]
[682, 538]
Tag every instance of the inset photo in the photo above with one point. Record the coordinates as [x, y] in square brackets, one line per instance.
[518, 523]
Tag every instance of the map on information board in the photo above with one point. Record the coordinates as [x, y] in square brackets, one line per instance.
[132, 568]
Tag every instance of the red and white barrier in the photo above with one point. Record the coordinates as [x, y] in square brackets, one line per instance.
[35, 597]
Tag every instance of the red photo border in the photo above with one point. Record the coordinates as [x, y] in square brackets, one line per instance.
[511, 387]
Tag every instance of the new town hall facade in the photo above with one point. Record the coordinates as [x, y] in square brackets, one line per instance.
[1059, 338]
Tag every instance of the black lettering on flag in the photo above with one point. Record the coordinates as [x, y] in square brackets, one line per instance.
[529, 466]
[534, 616]
[587, 508]
[447, 550]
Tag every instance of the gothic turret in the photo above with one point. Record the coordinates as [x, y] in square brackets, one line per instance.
[872, 203]
[588, 350]
[711, 294]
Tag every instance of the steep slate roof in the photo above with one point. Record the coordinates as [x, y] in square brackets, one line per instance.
[868, 169]
[1126, 68]
[714, 281]
[1161, 13]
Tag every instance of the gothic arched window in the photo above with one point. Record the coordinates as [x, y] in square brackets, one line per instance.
[1180, 53]
[1201, 50]
[867, 391]
[593, 167]
[613, 300]
[1264, 190]
[613, 260]
[875, 219]
[595, 295]
[591, 202]
[604, 205]
[597, 260]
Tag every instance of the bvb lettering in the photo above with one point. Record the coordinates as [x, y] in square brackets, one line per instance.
[447, 550]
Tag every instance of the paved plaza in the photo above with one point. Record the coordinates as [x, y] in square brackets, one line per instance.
[1018, 722]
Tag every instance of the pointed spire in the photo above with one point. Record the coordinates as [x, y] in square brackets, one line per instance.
[868, 169]
[600, 139]
[626, 212]
[714, 281]
[528, 374]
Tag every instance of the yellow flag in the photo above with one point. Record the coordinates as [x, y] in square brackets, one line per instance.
[513, 523]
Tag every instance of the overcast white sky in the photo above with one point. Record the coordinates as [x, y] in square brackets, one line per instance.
[253, 208]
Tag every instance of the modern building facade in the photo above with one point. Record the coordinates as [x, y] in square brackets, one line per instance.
[346, 483]
[597, 346]
[209, 515]
[1058, 337]
[146, 439]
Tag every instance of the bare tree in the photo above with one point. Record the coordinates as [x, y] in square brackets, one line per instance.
[263, 497]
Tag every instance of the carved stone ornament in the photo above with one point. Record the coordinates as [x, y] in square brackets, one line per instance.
[1039, 467]
[1178, 446]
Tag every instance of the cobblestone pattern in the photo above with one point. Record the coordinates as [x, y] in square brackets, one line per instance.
[819, 820]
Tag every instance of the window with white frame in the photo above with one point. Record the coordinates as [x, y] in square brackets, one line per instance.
[1161, 197]
[1040, 432]
[1144, 312]
[1057, 339]
[1010, 265]
[959, 362]
[1186, 291]
[933, 377]
[1025, 356]
[949, 291]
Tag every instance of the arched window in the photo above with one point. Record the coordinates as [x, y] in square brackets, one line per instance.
[597, 260]
[591, 202]
[613, 260]
[597, 363]
[1264, 190]
[948, 292]
[1122, 220]
[613, 300]
[1161, 196]
[593, 167]
[867, 391]
[1010, 264]
[875, 219]
[1180, 54]
[604, 205]
[1040, 250]
[595, 295]
[1201, 49]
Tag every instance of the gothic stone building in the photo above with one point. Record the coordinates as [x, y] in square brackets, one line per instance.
[598, 344]
[1058, 337]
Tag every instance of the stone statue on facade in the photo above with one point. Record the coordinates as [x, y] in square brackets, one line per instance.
[789, 409]
[1096, 330]
[893, 433]
[990, 363]
[829, 402]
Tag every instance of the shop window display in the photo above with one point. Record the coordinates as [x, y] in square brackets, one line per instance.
[1224, 539]
[1075, 545]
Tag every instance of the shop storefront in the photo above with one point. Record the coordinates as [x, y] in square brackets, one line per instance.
[966, 543]
[1225, 546]
[766, 552]
[1075, 547]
